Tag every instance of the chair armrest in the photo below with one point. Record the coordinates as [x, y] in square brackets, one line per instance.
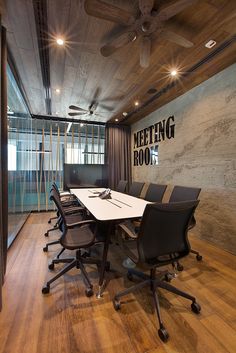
[65, 193]
[129, 230]
[68, 198]
[75, 209]
[69, 203]
[80, 223]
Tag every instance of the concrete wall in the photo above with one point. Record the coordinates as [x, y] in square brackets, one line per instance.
[202, 153]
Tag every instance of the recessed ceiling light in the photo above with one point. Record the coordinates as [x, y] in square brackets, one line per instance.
[57, 113]
[116, 120]
[60, 41]
[173, 72]
[124, 113]
[211, 43]
[136, 103]
[81, 124]
[58, 90]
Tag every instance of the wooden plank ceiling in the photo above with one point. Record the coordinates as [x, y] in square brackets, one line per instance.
[115, 82]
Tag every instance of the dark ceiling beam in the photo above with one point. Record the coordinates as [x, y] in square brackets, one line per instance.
[171, 85]
[41, 22]
[66, 120]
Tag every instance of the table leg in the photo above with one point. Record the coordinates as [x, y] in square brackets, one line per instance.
[101, 283]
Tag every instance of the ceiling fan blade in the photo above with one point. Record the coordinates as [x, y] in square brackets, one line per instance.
[74, 114]
[173, 9]
[176, 38]
[106, 107]
[113, 99]
[118, 42]
[145, 52]
[96, 95]
[146, 6]
[108, 12]
[74, 107]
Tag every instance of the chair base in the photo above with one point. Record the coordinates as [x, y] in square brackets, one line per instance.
[198, 256]
[45, 248]
[55, 227]
[77, 262]
[52, 218]
[154, 283]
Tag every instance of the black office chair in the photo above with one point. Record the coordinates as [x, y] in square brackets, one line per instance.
[75, 236]
[162, 239]
[72, 214]
[69, 202]
[65, 196]
[136, 189]
[185, 193]
[121, 186]
[155, 192]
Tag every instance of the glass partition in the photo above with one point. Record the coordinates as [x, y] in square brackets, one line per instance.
[37, 151]
[19, 139]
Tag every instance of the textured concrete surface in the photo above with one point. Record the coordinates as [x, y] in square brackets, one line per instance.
[202, 154]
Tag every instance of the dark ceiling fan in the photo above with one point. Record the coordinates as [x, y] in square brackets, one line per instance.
[81, 111]
[149, 23]
[96, 101]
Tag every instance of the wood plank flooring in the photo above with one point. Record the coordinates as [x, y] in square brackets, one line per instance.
[66, 321]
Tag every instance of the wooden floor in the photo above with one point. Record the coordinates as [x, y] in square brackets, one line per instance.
[66, 321]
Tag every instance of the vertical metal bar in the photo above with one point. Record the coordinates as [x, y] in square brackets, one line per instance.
[49, 156]
[72, 144]
[86, 144]
[41, 167]
[37, 166]
[99, 146]
[57, 154]
[52, 154]
[79, 136]
[65, 143]
[92, 149]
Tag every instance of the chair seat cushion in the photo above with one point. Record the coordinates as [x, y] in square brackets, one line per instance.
[74, 218]
[78, 237]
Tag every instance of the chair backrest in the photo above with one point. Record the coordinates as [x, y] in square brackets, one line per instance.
[55, 187]
[54, 196]
[184, 193]
[155, 192]
[136, 188]
[121, 186]
[163, 231]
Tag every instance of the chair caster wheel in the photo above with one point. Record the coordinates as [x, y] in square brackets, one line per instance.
[168, 277]
[199, 258]
[88, 292]
[116, 304]
[130, 276]
[180, 267]
[45, 249]
[163, 334]
[51, 266]
[46, 234]
[46, 289]
[195, 308]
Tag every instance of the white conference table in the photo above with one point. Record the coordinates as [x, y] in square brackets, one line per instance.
[119, 207]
